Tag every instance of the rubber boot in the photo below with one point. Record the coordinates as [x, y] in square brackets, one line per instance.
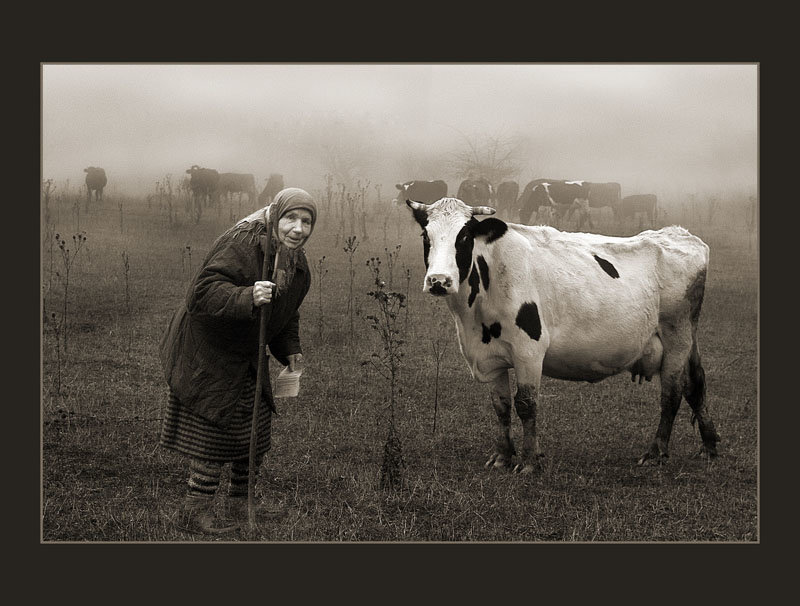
[197, 516]
[236, 508]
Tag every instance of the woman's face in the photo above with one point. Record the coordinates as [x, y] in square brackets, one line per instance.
[294, 227]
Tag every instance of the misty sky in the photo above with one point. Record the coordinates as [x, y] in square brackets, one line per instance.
[645, 125]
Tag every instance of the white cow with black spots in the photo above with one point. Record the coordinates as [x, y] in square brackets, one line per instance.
[573, 306]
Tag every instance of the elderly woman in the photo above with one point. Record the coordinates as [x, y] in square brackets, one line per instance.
[210, 353]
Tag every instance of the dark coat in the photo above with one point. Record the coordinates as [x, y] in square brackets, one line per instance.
[210, 350]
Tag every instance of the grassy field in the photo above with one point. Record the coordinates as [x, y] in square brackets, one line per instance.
[105, 479]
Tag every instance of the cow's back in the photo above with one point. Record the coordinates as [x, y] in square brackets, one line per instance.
[96, 177]
[552, 266]
[604, 194]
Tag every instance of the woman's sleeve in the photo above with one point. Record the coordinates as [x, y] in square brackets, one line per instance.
[287, 341]
[224, 288]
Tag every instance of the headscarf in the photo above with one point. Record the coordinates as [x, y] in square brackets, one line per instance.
[290, 199]
[285, 258]
[285, 200]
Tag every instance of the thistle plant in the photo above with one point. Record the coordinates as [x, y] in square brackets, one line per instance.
[76, 213]
[321, 271]
[340, 224]
[391, 260]
[50, 239]
[362, 215]
[408, 293]
[186, 262]
[48, 189]
[126, 267]
[351, 244]
[68, 260]
[388, 364]
[57, 332]
[329, 192]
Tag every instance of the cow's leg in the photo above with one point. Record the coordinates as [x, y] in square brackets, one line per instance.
[501, 400]
[677, 342]
[525, 400]
[695, 392]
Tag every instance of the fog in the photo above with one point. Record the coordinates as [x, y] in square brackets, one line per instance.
[652, 127]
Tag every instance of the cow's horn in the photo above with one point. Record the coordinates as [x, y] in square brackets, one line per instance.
[483, 210]
[416, 205]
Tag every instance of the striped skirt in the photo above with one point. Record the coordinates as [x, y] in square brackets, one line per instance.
[188, 433]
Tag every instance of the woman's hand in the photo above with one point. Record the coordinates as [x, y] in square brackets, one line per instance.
[262, 292]
[295, 362]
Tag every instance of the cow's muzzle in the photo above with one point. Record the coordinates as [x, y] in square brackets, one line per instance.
[438, 284]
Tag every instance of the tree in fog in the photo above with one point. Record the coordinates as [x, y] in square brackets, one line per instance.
[497, 157]
[344, 148]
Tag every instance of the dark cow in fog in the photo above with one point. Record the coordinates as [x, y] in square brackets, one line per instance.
[95, 182]
[420, 191]
[506, 197]
[237, 183]
[561, 196]
[203, 183]
[600, 196]
[639, 203]
[273, 186]
[475, 191]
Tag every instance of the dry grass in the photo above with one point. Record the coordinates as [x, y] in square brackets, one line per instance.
[105, 479]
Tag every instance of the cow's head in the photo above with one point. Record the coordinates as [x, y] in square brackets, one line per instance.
[531, 199]
[401, 194]
[449, 229]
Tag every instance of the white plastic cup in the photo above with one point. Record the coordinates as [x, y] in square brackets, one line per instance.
[287, 385]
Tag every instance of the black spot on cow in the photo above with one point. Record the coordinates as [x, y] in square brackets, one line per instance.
[464, 244]
[426, 247]
[607, 267]
[490, 228]
[474, 288]
[528, 320]
[491, 331]
[484, 269]
[420, 216]
[694, 294]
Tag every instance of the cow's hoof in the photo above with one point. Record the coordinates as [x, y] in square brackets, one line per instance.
[707, 454]
[649, 458]
[523, 469]
[497, 461]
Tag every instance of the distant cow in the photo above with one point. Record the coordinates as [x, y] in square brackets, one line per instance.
[475, 191]
[600, 196]
[237, 183]
[562, 196]
[421, 191]
[95, 182]
[640, 203]
[273, 186]
[203, 183]
[506, 197]
[571, 306]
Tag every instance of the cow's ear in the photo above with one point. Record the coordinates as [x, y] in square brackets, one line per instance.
[398, 186]
[420, 214]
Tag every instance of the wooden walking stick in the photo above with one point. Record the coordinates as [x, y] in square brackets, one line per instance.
[266, 246]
